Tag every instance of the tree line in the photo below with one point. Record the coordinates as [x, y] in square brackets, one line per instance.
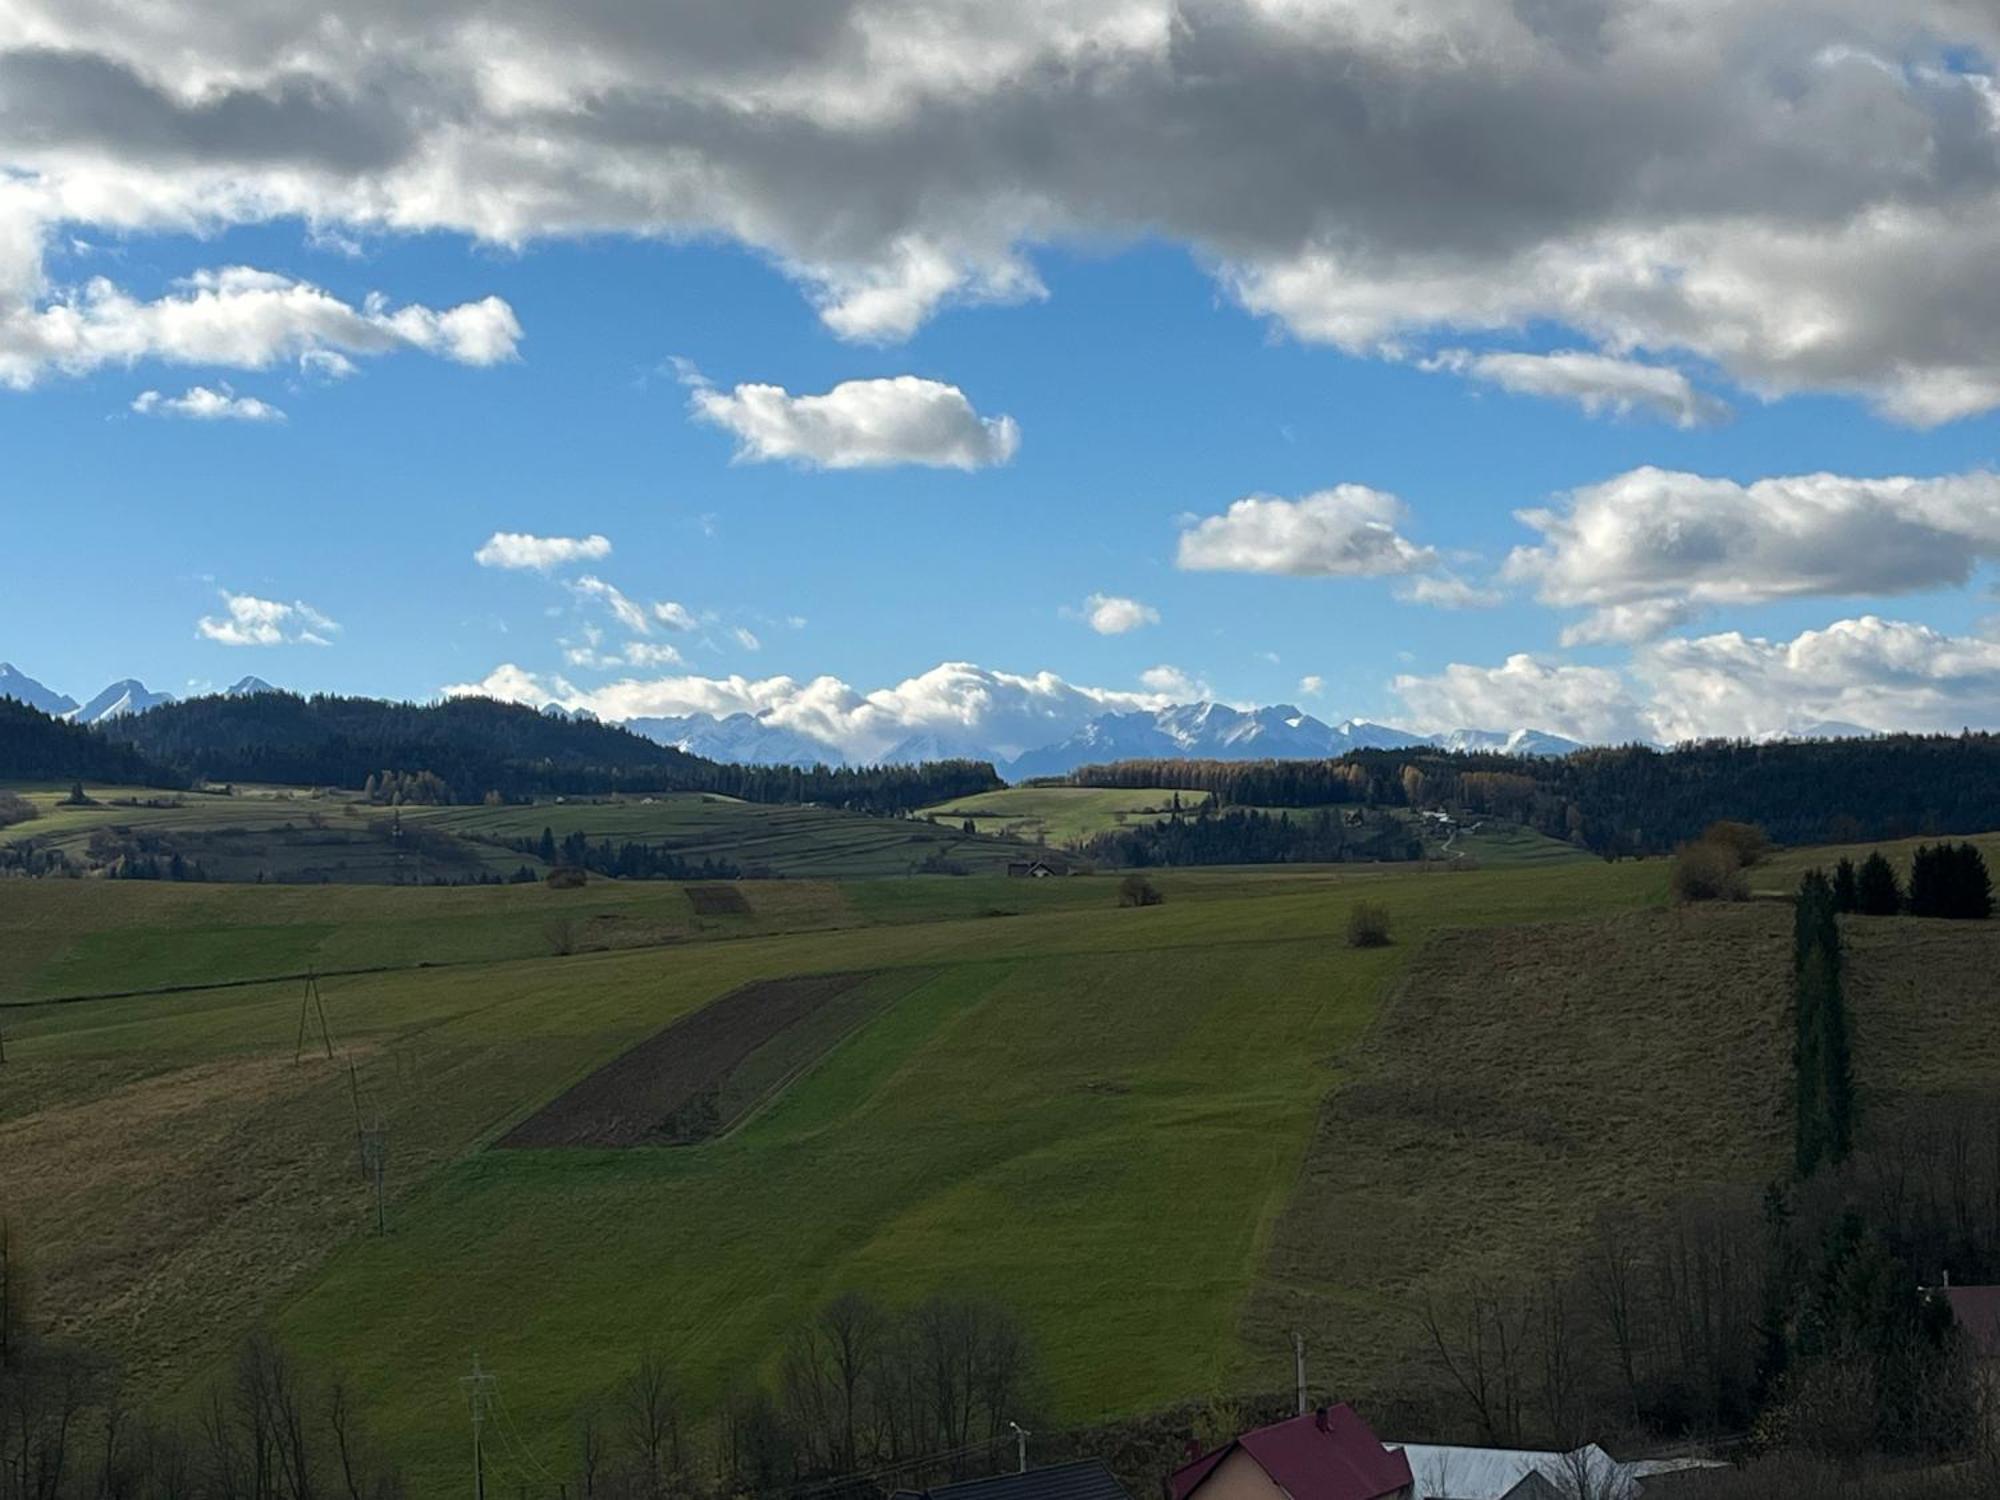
[624, 861]
[1633, 799]
[1247, 836]
[463, 750]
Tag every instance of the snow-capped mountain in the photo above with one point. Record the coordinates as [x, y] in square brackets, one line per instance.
[1505, 742]
[743, 739]
[126, 696]
[247, 687]
[1207, 731]
[19, 686]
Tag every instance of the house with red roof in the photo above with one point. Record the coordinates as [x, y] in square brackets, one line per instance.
[1328, 1454]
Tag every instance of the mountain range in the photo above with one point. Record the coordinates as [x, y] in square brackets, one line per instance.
[1195, 731]
[1201, 731]
[128, 695]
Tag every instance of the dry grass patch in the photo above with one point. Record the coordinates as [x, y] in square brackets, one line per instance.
[1519, 1081]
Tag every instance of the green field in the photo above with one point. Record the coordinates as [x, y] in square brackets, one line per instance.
[1027, 1116]
[299, 836]
[1163, 1136]
[1061, 815]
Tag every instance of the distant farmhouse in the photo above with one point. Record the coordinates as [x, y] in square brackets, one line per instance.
[1329, 1454]
[1035, 869]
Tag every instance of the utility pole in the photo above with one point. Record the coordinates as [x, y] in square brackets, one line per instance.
[1021, 1436]
[1299, 1366]
[479, 1391]
[309, 1000]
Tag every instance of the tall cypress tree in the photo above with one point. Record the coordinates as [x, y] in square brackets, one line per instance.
[1823, 1082]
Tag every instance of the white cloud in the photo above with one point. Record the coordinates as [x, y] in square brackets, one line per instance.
[674, 616]
[1648, 549]
[1867, 672]
[747, 639]
[251, 621]
[860, 424]
[1347, 531]
[1112, 614]
[1311, 685]
[520, 549]
[1582, 703]
[1803, 192]
[959, 704]
[1599, 383]
[1446, 591]
[206, 405]
[236, 317]
[632, 616]
[1173, 684]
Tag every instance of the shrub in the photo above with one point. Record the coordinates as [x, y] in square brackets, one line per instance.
[1368, 926]
[15, 809]
[1137, 890]
[1747, 841]
[1708, 872]
[567, 878]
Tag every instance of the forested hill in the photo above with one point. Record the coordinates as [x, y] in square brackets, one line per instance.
[35, 747]
[471, 747]
[1634, 799]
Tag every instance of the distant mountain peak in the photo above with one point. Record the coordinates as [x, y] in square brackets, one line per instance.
[16, 684]
[128, 695]
[247, 687]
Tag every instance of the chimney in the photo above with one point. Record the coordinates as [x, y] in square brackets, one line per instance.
[1319, 1419]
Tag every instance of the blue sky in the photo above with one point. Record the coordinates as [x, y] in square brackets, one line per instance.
[1157, 373]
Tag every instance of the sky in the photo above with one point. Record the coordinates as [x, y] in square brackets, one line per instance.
[1617, 368]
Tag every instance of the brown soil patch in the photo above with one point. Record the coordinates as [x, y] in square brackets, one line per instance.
[665, 1091]
[717, 901]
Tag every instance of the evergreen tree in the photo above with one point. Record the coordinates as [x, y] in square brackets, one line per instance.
[547, 848]
[1877, 892]
[1846, 893]
[1822, 1065]
[1950, 880]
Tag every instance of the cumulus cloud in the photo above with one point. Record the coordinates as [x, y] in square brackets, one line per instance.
[521, 549]
[1599, 383]
[1311, 685]
[1112, 614]
[1805, 193]
[860, 424]
[236, 317]
[1650, 548]
[1173, 684]
[674, 616]
[1347, 531]
[205, 405]
[1582, 703]
[1865, 674]
[1869, 673]
[250, 621]
[956, 705]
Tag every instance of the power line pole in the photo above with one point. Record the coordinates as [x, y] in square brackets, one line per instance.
[310, 1000]
[479, 1391]
[1299, 1367]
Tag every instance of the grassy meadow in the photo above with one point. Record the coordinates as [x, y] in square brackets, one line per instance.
[1061, 815]
[1165, 1136]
